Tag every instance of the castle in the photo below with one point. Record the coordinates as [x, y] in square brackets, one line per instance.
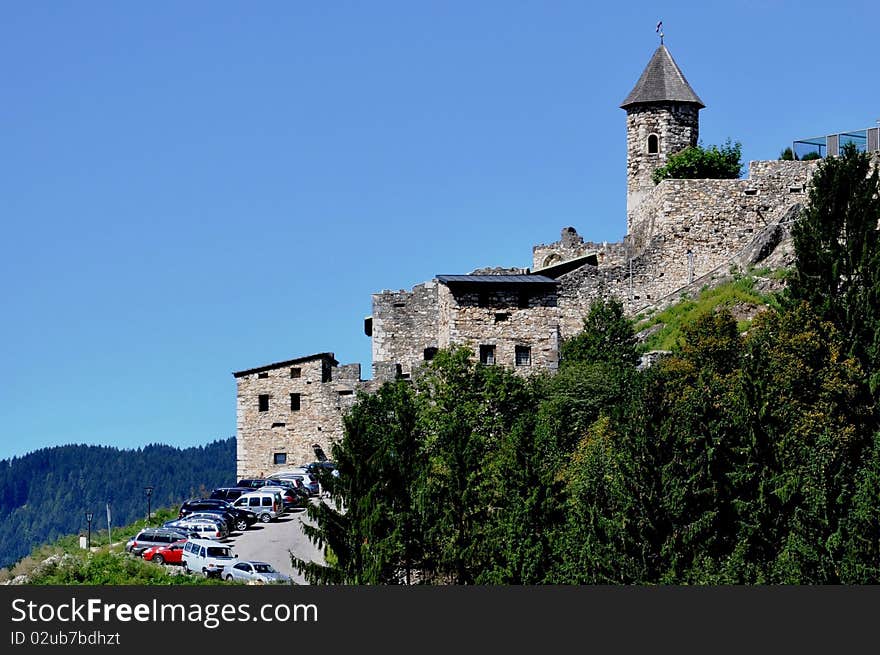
[679, 233]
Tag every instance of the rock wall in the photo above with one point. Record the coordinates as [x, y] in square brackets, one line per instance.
[324, 392]
[404, 325]
[504, 324]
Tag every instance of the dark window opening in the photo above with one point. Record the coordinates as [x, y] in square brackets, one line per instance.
[326, 373]
[262, 375]
[483, 299]
[398, 370]
[487, 354]
[751, 192]
[263, 402]
[296, 372]
[295, 402]
[523, 302]
[523, 356]
[279, 425]
[653, 144]
[279, 458]
[319, 452]
[345, 392]
[430, 353]
[400, 304]
[501, 317]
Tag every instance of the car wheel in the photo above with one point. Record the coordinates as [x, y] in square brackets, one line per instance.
[228, 578]
[205, 571]
[265, 518]
[241, 526]
[186, 567]
[158, 559]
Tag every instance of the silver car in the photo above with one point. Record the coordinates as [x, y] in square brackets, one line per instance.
[255, 573]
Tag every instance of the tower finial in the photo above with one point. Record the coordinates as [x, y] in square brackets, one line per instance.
[659, 30]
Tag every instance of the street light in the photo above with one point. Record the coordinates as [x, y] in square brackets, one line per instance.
[149, 492]
[89, 516]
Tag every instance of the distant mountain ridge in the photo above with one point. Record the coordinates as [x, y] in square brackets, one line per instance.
[46, 493]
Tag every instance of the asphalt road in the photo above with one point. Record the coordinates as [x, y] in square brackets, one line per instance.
[274, 541]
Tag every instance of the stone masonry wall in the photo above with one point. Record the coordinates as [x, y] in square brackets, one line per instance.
[404, 324]
[571, 245]
[677, 126]
[503, 324]
[285, 430]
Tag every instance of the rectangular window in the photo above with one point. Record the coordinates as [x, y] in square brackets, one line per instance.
[523, 356]
[523, 300]
[430, 353]
[263, 402]
[345, 392]
[295, 403]
[501, 317]
[279, 458]
[263, 375]
[326, 374]
[487, 354]
[296, 372]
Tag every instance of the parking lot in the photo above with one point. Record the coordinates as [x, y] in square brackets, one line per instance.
[271, 542]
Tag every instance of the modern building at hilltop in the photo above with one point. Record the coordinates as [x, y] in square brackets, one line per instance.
[679, 233]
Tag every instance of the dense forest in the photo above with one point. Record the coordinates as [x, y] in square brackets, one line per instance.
[743, 457]
[46, 493]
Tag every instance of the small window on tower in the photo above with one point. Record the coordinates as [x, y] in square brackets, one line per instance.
[296, 372]
[429, 353]
[487, 354]
[262, 375]
[263, 402]
[653, 144]
[295, 402]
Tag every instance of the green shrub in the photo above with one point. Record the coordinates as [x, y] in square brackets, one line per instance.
[810, 156]
[697, 162]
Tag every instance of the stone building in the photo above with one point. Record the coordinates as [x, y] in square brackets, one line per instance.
[679, 235]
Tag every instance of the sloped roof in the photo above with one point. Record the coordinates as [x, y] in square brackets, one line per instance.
[662, 81]
[289, 362]
[495, 279]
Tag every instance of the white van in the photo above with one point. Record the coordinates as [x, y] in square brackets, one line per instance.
[267, 505]
[207, 557]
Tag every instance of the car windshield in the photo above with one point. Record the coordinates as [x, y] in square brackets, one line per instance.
[263, 568]
[216, 551]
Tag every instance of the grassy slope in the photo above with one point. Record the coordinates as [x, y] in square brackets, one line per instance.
[107, 565]
[741, 291]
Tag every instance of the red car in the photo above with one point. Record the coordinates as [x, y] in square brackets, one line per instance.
[171, 554]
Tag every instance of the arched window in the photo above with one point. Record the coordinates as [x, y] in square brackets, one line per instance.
[653, 144]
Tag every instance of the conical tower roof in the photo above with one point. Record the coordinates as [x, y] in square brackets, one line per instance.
[662, 81]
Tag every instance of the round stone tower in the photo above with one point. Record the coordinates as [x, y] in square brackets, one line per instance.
[661, 119]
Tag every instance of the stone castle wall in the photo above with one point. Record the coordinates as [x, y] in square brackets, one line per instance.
[677, 126]
[502, 323]
[325, 393]
[404, 325]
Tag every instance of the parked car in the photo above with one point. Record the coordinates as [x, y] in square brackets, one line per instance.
[252, 483]
[202, 528]
[254, 572]
[170, 554]
[149, 537]
[229, 494]
[206, 557]
[266, 505]
[240, 519]
[307, 481]
[290, 498]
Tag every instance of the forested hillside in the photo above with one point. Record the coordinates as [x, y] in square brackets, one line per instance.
[749, 455]
[46, 493]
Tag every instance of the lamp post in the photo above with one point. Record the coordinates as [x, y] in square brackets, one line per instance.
[89, 516]
[149, 491]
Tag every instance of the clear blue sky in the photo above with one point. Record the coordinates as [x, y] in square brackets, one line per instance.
[193, 188]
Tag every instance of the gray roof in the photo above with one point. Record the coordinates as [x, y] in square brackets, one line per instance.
[288, 362]
[495, 279]
[662, 81]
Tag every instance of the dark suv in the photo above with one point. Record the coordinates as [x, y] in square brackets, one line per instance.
[229, 493]
[236, 519]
